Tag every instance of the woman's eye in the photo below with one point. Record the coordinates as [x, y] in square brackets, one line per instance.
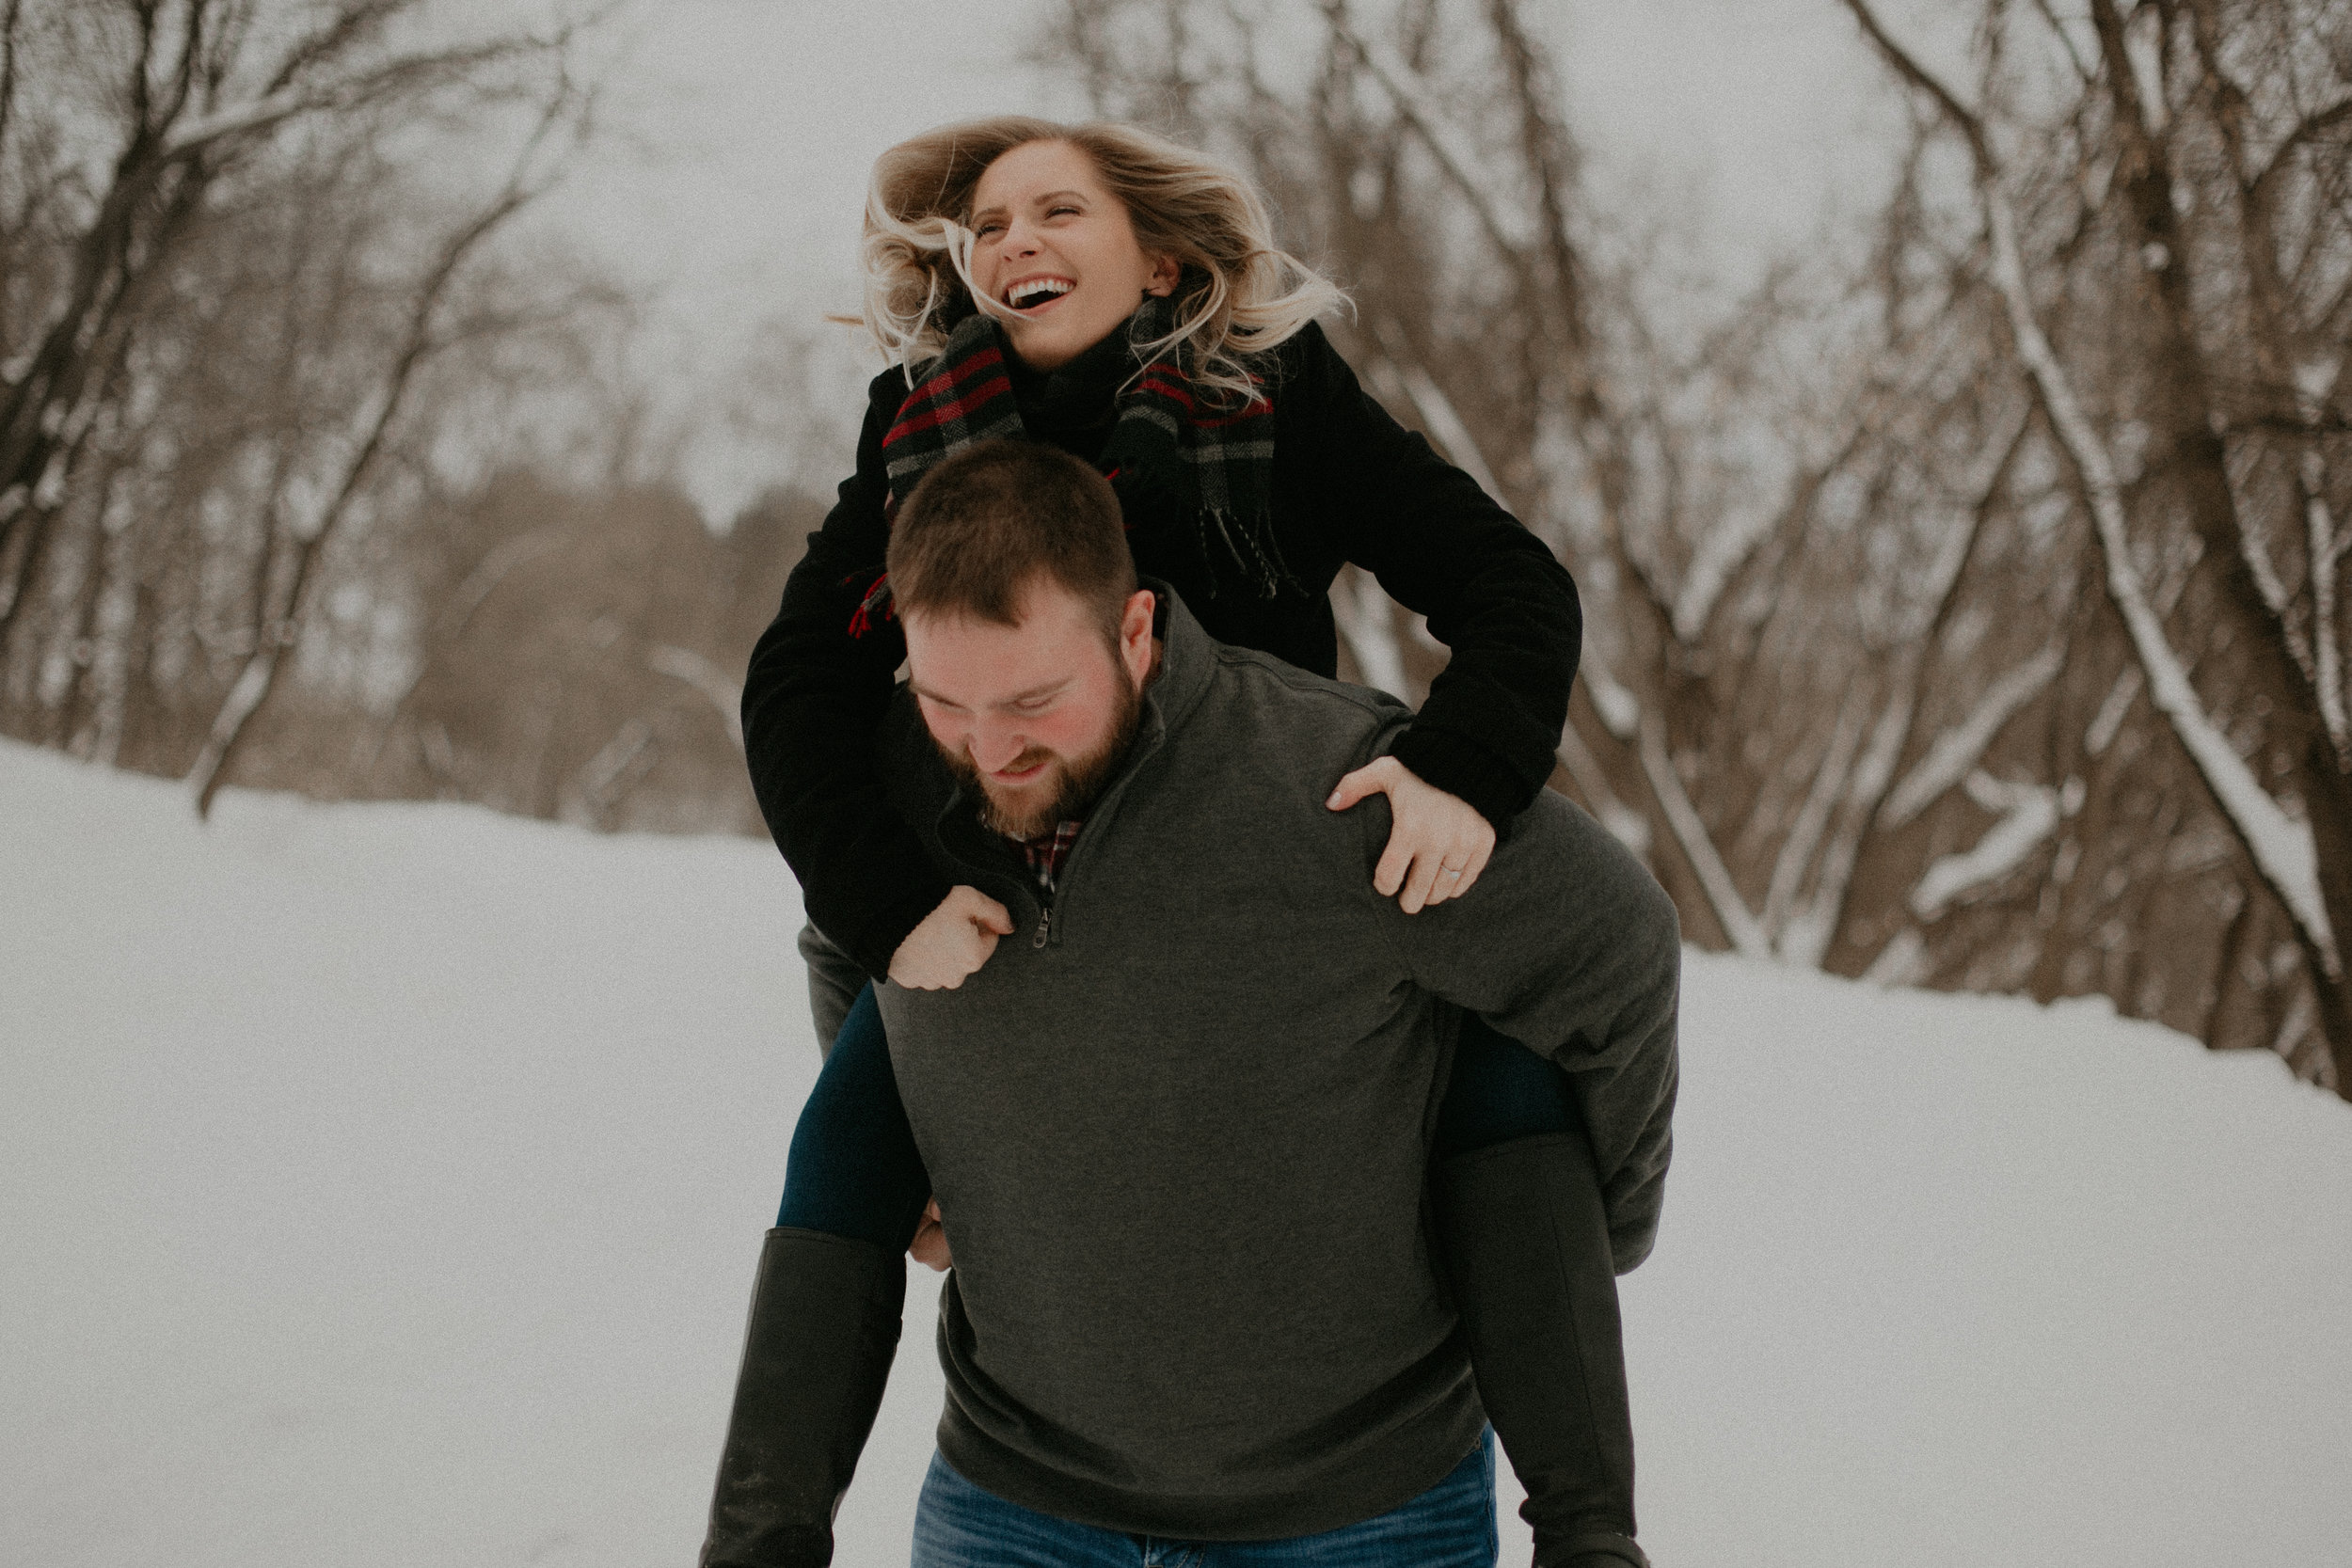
[1056, 212]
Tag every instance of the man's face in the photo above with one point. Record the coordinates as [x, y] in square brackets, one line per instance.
[1036, 715]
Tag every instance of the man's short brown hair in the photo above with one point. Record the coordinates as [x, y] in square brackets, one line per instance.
[987, 520]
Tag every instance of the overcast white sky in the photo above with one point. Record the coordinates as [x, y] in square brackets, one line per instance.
[743, 129]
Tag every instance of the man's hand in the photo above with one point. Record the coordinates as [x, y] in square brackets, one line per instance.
[931, 1242]
[1438, 842]
[952, 942]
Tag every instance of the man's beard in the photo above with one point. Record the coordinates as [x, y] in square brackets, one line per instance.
[1079, 780]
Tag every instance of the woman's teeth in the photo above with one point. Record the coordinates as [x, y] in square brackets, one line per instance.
[1030, 291]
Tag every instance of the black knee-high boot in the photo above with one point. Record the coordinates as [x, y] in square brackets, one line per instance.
[1526, 1245]
[816, 1352]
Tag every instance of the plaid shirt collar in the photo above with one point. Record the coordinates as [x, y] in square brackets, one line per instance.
[1046, 852]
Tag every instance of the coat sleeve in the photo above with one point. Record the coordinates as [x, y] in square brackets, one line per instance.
[1571, 947]
[834, 981]
[814, 697]
[1493, 592]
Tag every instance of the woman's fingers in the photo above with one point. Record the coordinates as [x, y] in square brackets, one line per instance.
[1438, 842]
[1447, 853]
[1457, 871]
[952, 941]
[981, 911]
[1372, 778]
[1443, 869]
[1417, 885]
[930, 1246]
[1450, 878]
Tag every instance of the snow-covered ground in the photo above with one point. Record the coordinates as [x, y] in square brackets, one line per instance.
[380, 1186]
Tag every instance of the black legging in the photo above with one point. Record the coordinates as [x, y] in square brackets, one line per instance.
[854, 1170]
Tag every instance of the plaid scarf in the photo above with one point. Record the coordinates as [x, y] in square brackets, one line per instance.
[1181, 454]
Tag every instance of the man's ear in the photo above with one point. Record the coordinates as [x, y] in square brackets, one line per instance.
[1135, 633]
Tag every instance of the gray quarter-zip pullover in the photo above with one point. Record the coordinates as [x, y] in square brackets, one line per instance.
[1180, 1131]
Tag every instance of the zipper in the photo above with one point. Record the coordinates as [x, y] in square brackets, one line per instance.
[1044, 926]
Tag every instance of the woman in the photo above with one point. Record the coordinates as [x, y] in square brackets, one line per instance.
[1118, 296]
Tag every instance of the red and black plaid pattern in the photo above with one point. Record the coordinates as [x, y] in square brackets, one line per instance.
[964, 397]
[1220, 457]
[1046, 852]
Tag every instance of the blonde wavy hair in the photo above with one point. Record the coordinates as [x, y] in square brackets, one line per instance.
[1238, 294]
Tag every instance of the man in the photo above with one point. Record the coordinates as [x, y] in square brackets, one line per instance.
[1178, 1116]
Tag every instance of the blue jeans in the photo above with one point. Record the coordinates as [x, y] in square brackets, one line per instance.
[957, 1524]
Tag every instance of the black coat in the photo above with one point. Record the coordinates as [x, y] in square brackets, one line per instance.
[1350, 484]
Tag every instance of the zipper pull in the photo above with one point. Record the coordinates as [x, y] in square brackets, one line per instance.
[1044, 926]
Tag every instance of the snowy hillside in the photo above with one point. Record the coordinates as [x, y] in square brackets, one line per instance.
[380, 1186]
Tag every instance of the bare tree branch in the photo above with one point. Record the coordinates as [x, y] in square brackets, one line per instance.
[722, 690]
[1460, 162]
[2308, 129]
[189, 136]
[1957, 750]
[2281, 846]
[1630, 827]
[260, 677]
[1962, 117]
[1436, 409]
[1813, 817]
[1366, 619]
[1746, 934]
[2029, 813]
[10, 25]
[2083, 73]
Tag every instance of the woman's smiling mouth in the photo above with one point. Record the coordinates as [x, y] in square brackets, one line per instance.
[1036, 292]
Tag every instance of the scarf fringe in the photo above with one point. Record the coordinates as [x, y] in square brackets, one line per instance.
[1252, 548]
[877, 600]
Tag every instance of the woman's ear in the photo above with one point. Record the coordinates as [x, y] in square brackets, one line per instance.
[1165, 271]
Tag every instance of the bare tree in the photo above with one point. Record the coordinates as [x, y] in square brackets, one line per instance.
[2217, 357]
[295, 544]
[236, 285]
[197, 89]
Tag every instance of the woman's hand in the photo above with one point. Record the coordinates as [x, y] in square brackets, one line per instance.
[1438, 842]
[931, 1241]
[952, 943]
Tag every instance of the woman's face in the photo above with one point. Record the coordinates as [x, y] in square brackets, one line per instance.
[1057, 249]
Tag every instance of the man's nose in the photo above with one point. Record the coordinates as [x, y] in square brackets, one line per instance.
[993, 747]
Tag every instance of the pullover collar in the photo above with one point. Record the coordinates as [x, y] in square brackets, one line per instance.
[1187, 664]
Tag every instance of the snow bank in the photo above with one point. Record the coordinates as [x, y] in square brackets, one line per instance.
[381, 1185]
